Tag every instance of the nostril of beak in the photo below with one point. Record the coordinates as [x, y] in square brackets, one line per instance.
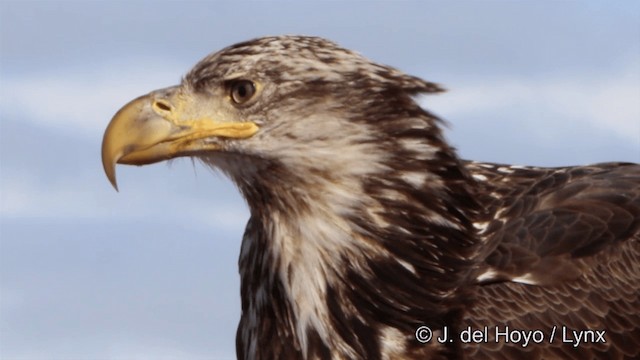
[162, 106]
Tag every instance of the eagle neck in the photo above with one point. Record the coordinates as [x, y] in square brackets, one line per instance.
[314, 267]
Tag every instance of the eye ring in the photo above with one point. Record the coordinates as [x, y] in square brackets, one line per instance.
[242, 91]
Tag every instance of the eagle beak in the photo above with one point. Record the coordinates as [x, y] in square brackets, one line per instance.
[163, 125]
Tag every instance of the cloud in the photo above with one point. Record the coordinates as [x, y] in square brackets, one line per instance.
[607, 101]
[23, 197]
[83, 100]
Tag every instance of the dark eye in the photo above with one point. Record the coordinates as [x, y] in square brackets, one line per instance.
[242, 91]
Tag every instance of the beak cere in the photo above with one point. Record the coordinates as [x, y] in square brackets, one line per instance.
[160, 126]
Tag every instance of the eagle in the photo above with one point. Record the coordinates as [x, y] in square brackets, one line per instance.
[370, 238]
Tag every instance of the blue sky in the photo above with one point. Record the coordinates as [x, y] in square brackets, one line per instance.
[150, 272]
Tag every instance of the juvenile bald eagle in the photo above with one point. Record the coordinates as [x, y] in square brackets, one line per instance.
[369, 238]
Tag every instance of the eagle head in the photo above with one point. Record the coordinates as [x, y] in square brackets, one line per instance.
[283, 107]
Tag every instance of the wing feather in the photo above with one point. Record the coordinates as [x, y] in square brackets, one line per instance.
[574, 235]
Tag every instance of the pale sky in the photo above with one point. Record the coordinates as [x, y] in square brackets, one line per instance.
[151, 272]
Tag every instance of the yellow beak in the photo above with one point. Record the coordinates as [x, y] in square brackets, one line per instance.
[161, 126]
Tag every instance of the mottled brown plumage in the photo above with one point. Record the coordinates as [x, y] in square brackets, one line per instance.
[575, 231]
[365, 225]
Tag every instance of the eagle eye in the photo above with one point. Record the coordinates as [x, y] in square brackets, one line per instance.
[242, 91]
